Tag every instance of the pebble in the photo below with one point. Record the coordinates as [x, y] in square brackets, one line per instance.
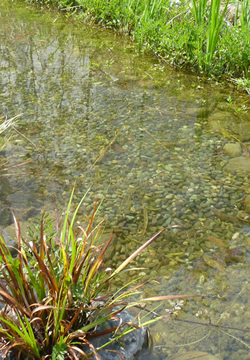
[232, 149]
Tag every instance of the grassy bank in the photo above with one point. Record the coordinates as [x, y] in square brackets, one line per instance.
[187, 34]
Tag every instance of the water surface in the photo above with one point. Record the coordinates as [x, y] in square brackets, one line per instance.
[150, 141]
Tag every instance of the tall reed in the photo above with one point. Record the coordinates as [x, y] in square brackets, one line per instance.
[245, 13]
[198, 10]
[215, 21]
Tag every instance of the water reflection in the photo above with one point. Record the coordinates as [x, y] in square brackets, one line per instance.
[96, 113]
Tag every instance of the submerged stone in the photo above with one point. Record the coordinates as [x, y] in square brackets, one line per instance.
[239, 163]
[220, 122]
[131, 346]
[232, 149]
[5, 214]
[247, 203]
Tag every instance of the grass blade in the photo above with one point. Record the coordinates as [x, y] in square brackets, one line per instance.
[136, 253]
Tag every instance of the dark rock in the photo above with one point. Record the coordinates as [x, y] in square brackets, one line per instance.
[5, 187]
[5, 215]
[133, 346]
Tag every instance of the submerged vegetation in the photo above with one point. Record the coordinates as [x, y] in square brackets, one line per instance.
[201, 36]
[55, 292]
[6, 124]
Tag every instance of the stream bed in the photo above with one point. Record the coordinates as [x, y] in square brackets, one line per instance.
[160, 147]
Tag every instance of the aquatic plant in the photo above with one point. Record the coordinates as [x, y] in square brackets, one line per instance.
[5, 124]
[55, 292]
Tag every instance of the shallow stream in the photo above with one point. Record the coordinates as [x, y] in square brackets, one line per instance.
[160, 147]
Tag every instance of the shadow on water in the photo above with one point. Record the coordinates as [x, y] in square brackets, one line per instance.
[164, 148]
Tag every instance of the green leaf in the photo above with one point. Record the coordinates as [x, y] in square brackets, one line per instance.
[59, 351]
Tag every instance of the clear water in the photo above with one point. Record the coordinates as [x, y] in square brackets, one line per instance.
[147, 139]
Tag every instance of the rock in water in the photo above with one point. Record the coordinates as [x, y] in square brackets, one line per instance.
[232, 149]
[239, 163]
[247, 204]
[133, 346]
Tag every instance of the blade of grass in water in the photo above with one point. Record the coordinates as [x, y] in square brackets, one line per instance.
[136, 253]
[7, 123]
